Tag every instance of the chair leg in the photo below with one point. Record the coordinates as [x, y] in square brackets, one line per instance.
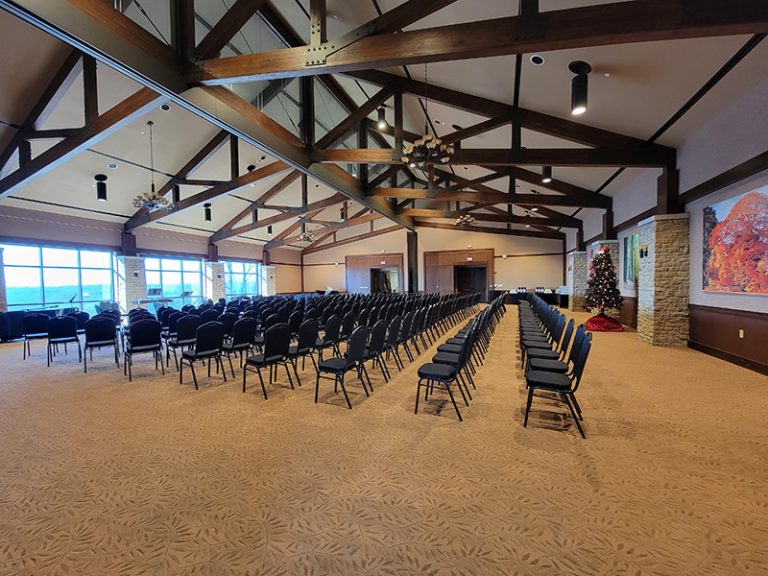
[181, 368]
[576, 405]
[159, 354]
[453, 400]
[220, 362]
[288, 373]
[261, 381]
[528, 407]
[194, 376]
[317, 386]
[85, 362]
[344, 389]
[295, 364]
[49, 355]
[418, 393]
[573, 414]
[232, 368]
[245, 371]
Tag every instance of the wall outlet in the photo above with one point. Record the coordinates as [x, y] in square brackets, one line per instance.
[741, 333]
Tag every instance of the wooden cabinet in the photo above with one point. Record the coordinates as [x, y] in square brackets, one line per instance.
[439, 273]
[358, 270]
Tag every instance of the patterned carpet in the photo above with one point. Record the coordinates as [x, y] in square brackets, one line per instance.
[99, 476]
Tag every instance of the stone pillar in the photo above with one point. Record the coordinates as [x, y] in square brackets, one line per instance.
[214, 281]
[613, 251]
[663, 290]
[131, 282]
[576, 280]
[3, 295]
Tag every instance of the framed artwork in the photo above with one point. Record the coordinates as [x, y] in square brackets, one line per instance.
[631, 266]
[735, 250]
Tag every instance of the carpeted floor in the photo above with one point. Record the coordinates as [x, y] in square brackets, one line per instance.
[99, 476]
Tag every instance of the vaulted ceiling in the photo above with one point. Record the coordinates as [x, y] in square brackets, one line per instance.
[271, 141]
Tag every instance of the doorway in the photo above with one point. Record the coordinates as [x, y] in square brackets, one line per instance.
[470, 279]
[384, 280]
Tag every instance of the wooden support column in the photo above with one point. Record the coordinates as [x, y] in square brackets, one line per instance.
[90, 91]
[412, 249]
[362, 141]
[308, 110]
[183, 27]
[25, 153]
[667, 190]
[317, 21]
[609, 232]
[213, 253]
[580, 247]
[128, 244]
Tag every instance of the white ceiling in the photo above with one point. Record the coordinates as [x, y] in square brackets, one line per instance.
[647, 83]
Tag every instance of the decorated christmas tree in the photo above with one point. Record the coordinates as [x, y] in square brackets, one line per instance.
[603, 292]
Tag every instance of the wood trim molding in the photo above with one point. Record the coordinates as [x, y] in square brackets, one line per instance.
[746, 169]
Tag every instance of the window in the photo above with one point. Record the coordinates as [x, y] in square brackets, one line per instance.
[42, 277]
[241, 279]
[175, 277]
[631, 259]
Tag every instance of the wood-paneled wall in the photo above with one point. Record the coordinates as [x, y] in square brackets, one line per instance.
[716, 331]
[358, 270]
[438, 267]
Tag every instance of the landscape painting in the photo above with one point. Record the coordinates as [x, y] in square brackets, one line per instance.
[736, 244]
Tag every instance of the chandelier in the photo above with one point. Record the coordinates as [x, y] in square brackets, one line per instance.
[428, 149]
[306, 237]
[152, 201]
[465, 220]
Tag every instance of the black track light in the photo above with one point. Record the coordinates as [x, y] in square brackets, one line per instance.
[207, 207]
[176, 194]
[101, 187]
[546, 174]
[579, 86]
[382, 118]
[269, 229]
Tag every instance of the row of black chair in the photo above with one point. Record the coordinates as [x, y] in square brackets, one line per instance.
[552, 356]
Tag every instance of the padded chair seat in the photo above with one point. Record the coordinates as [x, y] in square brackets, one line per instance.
[293, 350]
[176, 342]
[554, 381]
[548, 365]
[446, 358]
[146, 348]
[63, 339]
[437, 371]
[230, 347]
[320, 343]
[99, 343]
[540, 345]
[455, 341]
[37, 335]
[194, 355]
[543, 353]
[449, 348]
[333, 365]
[259, 360]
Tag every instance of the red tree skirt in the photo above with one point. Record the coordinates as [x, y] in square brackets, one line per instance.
[603, 323]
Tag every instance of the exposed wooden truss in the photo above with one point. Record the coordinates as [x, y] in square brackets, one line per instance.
[318, 246]
[609, 24]
[505, 231]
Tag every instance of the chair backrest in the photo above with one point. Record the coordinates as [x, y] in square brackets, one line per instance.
[209, 337]
[228, 320]
[36, 324]
[567, 336]
[373, 316]
[347, 324]
[209, 315]
[362, 317]
[81, 317]
[244, 331]
[186, 327]
[333, 328]
[277, 340]
[100, 329]
[295, 320]
[356, 345]
[62, 327]
[307, 335]
[580, 361]
[378, 336]
[405, 326]
[145, 332]
[394, 331]
[271, 320]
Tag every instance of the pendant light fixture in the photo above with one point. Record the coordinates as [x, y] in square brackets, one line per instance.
[269, 229]
[176, 194]
[382, 118]
[151, 201]
[579, 86]
[207, 207]
[546, 174]
[101, 187]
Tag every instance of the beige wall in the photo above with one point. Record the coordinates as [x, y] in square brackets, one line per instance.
[320, 270]
[530, 261]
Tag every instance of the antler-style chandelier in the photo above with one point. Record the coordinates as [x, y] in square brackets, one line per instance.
[427, 149]
[465, 220]
[305, 236]
[152, 201]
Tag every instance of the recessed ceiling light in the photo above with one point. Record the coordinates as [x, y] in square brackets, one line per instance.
[534, 209]
[466, 167]
[456, 127]
[437, 121]
[607, 74]
[527, 225]
[537, 59]
[165, 107]
[112, 165]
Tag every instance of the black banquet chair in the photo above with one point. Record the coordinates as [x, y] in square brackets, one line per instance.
[35, 328]
[243, 333]
[143, 338]
[305, 345]
[99, 333]
[277, 341]
[337, 367]
[63, 330]
[209, 339]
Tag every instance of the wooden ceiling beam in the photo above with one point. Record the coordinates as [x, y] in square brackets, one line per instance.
[311, 207]
[504, 231]
[370, 217]
[316, 247]
[208, 195]
[562, 220]
[357, 116]
[105, 125]
[489, 197]
[492, 157]
[476, 130]
[601, 25]
[225, 29]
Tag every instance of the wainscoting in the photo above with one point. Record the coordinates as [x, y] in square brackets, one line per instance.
[716, 332]
[628, 311]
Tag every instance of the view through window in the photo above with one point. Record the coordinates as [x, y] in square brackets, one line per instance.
[241, 279]
[175, 277]
[42, 277]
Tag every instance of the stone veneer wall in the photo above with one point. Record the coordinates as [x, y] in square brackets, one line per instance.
[662, 298]
[214, 280]
[3, 295]
[135, 285]
[576, 280]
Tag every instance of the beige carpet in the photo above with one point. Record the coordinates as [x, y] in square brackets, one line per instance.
[100, 476]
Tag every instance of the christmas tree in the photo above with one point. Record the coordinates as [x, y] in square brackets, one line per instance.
[603, 291]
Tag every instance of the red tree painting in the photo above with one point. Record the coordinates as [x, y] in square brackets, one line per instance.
[736, 249]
